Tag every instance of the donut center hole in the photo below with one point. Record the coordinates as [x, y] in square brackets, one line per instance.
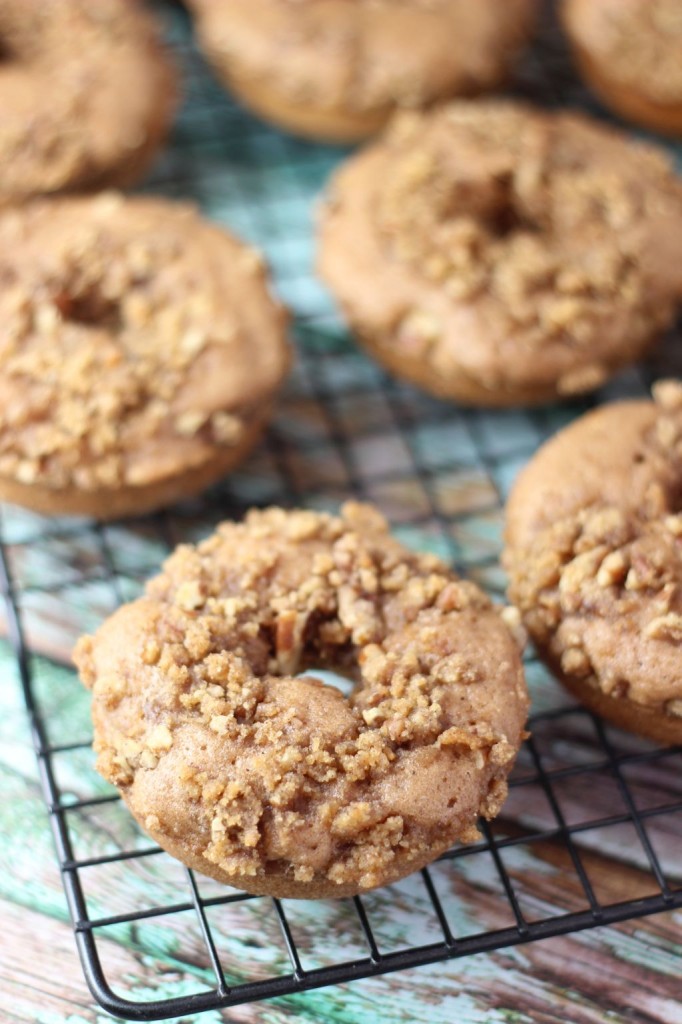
[493, 202]
[90, 309]
[501, 213]
[12, 43]
[331, 678]
[508, 220]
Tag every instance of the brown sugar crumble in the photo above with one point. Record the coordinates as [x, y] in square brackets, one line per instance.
[534, 213]
[125, 355]
[600, 590]
[274, 782]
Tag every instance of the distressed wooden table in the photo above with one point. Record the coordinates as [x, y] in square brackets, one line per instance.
[630, 972]
[441, 476]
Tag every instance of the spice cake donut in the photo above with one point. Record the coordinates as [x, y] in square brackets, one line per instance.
[140, 352]
[500, 255]
[630, 53]
[87, 94]
[594, 553]
[337, 69]
[272, 781]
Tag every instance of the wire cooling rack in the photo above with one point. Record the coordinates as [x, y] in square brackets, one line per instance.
[585, 799]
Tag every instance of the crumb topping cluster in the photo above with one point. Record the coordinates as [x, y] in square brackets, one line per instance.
[597, 587]
[548, 217]
[104, 323]
[291, 772]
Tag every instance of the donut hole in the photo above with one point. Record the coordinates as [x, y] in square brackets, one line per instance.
[510, 220]
[17, 42]
[329, 677]
[8, 51]
[494, 203]
[454, 221]
[89, 308]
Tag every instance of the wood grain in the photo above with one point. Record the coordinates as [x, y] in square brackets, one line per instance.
[593, 978]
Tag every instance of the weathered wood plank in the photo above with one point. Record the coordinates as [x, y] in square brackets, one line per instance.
[593, 978]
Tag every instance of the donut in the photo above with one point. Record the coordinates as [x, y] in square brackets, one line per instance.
[270, 780]
[594, 553]
[140, 351]
[336, 69]
[499, 255]
[86, 95]
[630, 53]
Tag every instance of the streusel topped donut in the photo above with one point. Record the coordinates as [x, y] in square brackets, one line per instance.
[501, 255]
[140, 350]
[337, 69]
[86, 95]
[275, 782]
[594, 551]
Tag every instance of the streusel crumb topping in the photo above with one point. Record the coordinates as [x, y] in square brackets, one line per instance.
[541, 215]
[284, 774]
[126, 353]
[601, 589]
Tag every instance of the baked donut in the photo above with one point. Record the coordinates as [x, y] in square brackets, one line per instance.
[337, 69]
[274, 782]
[594, 553]
[499, 255]
[86, 95]
[630, 53]
[140, 351]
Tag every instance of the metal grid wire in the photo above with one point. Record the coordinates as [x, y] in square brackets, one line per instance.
[441, 475]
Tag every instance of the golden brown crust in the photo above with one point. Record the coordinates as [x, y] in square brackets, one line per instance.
[140, 348]
[336, 70]
[651, 723]
[87, 94]
[499, 255]
[270, 780]
[630, 52]
[460, 388]
[594, 552]
[328, 126]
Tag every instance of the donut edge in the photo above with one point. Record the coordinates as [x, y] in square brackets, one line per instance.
[117, 503]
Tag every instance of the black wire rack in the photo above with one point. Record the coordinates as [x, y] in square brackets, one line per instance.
[581, 790]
